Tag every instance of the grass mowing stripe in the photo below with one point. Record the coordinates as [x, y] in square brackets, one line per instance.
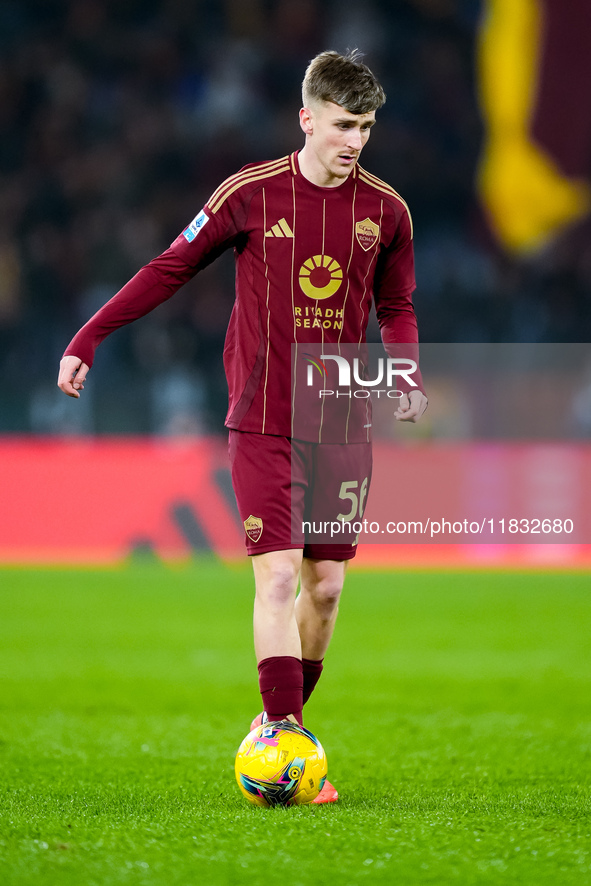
[454, 708]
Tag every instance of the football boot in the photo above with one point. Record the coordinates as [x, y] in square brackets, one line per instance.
[328, 794]
[259, 720]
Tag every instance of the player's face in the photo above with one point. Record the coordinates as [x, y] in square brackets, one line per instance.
[334, 141]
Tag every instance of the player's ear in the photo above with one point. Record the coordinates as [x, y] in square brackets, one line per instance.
[306, 121]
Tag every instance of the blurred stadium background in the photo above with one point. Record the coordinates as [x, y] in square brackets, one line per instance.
[117, 121]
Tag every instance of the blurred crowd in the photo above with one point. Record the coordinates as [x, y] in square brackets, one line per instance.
[118, 118]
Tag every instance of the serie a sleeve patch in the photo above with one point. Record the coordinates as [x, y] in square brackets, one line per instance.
[198, 222]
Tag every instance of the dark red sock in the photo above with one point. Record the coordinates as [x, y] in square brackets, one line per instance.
[312, 670]
[281, 683]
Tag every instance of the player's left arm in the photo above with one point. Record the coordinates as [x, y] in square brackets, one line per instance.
[394, 284]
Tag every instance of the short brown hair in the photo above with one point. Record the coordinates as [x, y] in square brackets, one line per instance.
[344, 80]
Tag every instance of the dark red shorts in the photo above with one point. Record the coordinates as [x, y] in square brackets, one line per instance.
[294, 494]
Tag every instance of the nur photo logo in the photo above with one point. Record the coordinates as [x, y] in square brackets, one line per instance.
[351, 379]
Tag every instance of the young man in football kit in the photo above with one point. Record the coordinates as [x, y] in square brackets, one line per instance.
[316, 238]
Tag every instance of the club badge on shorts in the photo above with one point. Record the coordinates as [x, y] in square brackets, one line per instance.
[367, 233]
[253, 526]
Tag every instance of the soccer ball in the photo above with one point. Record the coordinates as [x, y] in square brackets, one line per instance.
[280, 764]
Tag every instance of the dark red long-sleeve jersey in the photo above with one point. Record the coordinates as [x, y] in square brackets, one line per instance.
[309, 260]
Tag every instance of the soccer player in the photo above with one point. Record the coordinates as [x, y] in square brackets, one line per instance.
[315, 238]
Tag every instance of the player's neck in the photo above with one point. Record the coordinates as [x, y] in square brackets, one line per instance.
[314, 171]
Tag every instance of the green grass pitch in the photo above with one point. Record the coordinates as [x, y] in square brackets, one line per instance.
[454, 709]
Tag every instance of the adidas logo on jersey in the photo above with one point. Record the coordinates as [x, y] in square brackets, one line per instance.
[281, 229]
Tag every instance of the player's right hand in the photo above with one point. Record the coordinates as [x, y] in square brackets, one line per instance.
[72, 376]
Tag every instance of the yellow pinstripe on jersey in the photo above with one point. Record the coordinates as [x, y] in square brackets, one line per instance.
[385, 188]
[247, 176]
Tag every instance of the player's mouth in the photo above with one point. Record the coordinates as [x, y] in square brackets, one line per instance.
[349, 159]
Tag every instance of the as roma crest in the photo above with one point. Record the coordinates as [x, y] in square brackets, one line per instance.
[367, 233]
[253, 526]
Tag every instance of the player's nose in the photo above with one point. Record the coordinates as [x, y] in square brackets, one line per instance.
[355, 142]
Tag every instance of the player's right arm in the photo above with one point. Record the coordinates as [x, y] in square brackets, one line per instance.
[151, 286]
[200, 243]
[72, 375]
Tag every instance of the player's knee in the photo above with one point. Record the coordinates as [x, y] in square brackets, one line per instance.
[278, 585]
[326, 593]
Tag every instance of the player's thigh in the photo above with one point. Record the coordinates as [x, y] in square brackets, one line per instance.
[336, 500]
[269, 480]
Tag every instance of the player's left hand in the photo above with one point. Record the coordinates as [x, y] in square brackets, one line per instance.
[411, 406]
